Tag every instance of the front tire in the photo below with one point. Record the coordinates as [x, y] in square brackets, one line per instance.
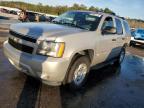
[78, 72]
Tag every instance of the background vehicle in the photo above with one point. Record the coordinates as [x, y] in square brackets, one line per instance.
[9, 10]
[30, 16]
[51, 17]
[63, 52]
[13, 12]
[137, 37]
[4, 10]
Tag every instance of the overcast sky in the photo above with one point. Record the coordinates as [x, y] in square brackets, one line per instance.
[126, 8]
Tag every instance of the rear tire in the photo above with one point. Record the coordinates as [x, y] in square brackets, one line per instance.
[78, 72]
[121, 57]
[132, 43]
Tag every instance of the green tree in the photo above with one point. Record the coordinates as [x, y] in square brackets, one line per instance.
[92, 8]
[107, 10]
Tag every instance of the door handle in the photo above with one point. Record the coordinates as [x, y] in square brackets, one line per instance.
[113, 39]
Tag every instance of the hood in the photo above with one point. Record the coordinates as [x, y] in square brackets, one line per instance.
[44, 30]
[139, 36]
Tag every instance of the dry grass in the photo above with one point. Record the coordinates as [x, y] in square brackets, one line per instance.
[136, 24]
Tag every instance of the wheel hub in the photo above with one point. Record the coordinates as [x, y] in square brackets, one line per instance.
[80, 73]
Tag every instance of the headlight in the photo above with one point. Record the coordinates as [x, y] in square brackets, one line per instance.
[54, 49]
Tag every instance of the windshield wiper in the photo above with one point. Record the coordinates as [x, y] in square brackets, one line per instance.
[75, 25]
[81, 27]
[56, 22]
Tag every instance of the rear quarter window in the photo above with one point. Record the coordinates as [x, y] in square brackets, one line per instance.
[127, 28]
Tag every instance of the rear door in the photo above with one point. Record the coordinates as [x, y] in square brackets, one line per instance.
[119, 35]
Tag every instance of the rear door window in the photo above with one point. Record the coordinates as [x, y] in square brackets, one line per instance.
[119, 27]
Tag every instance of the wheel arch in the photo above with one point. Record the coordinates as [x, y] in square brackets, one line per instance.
[87, 52]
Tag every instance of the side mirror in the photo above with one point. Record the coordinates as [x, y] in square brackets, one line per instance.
[109, 30]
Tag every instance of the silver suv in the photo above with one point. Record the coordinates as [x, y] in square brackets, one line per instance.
[62, 52]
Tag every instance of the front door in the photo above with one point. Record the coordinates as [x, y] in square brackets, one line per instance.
[107, 42]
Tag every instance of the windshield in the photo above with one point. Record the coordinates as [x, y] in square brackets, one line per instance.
[83, 20]
[140, 31]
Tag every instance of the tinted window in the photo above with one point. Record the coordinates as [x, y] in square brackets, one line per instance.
[31, 14]
[83, 20]
[108, 26]
[119, 28]
[108, 22]
[127, 28]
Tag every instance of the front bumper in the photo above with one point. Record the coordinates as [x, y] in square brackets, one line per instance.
[138, 41]
[50, 70]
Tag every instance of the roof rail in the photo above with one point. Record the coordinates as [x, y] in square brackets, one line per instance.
[107, 13]
[114, 14]
[121, 17]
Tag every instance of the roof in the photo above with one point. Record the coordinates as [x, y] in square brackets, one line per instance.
[99, 12]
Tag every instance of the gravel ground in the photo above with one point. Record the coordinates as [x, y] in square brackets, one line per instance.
[137, 50]
[109, 87]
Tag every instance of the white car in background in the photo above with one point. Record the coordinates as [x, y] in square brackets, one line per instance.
[137, 37]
